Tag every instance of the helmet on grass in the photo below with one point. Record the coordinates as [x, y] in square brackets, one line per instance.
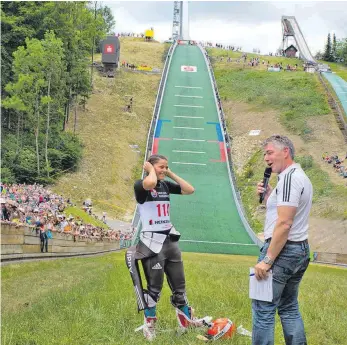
[220, 328]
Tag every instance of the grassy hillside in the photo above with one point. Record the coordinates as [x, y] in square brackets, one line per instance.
[91, 301]
[109, 165]
[339, 68]
[297, 95]
[291, 103]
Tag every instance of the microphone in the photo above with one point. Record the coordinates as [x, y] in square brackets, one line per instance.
[267, 175]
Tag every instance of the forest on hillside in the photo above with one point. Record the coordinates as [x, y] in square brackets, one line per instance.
[45, 63]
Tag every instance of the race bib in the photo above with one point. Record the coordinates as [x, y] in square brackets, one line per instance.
[155, 215]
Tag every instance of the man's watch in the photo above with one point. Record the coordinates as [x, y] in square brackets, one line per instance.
[268, 260]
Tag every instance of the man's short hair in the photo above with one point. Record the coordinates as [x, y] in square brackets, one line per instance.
[280, 141]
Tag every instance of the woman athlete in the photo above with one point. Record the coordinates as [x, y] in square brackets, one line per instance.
[158, 246]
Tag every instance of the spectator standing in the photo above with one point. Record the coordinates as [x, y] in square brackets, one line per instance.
[43, 238]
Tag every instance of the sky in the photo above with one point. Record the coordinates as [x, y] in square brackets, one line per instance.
[249, 24]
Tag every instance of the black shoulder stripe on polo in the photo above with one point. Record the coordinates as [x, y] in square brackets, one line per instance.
[288, 185]
[284, 187]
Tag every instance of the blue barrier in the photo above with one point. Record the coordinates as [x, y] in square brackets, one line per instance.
[340, 87]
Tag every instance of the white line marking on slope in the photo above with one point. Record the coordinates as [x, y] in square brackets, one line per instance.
[189, 139]
[188, 106]
[190, 87]
[188, 96]
[190, 128]
[188, 163]
[188, 151]
[191, 117]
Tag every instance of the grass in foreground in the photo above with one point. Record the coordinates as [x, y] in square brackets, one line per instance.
[84, 301]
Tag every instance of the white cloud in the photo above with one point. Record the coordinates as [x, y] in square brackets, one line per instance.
[266, 36]
[126, 22]
[210, 22]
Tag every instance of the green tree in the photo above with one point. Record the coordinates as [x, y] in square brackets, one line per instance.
[102, 23]
[25, 165]
[28, 65]
[327, 51]
[19, 20]
[54, 71]
[333, 49]
[341, 50]
[38, 71]
[74, 23]
[46, 49]
[108, 18]
[15, 103]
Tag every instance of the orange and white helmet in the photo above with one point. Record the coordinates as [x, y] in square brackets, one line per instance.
[221, 328]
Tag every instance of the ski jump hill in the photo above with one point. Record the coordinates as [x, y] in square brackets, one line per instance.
[187, 128]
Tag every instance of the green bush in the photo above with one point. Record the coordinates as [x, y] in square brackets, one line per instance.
[55, 158]
[72, 151]
[248, 172]
[7, 176]
[19, 164]
[25, 166]
[306, 162]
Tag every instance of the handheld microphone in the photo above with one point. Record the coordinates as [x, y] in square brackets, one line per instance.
[267, 175]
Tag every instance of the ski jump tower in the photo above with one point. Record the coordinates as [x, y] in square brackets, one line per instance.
[180, 23]
[291, 29]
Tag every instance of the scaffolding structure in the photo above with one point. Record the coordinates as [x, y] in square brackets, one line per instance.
[177, 20]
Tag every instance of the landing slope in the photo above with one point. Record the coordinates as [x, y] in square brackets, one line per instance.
[189, 133]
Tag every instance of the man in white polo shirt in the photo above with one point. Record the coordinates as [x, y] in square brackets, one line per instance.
[286, 250]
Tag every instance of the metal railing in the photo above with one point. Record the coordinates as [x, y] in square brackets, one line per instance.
[232, 178]
[124, 243]
[136, 218]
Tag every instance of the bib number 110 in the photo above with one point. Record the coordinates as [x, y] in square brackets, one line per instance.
[163, 209]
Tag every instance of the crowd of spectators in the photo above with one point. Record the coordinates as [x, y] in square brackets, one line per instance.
[279, 66]
[253, 61]
[337, 163]
[43, 211]
[256, 61]
[280, 52]
[220, 46]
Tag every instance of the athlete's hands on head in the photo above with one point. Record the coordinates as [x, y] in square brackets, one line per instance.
[168, 172]
[148, 167]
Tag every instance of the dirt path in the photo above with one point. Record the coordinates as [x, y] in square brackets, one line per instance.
[328, 235]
